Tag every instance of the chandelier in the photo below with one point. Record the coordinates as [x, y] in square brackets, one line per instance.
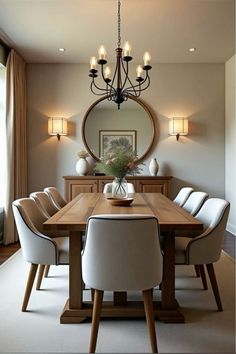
[119, 87]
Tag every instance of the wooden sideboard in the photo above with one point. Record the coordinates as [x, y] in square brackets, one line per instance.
[73, 185]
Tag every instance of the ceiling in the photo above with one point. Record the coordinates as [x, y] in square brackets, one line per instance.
[166, 28]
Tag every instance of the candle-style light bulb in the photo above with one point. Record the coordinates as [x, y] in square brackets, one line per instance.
[93, 63]
[147, 58]
[107, 72]
[139, 71]
[127, 49]
[102, 52]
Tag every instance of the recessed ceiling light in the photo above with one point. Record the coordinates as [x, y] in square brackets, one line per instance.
[61, 49]
[192, 49]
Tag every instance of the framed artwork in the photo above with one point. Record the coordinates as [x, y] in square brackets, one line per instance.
[110, 139]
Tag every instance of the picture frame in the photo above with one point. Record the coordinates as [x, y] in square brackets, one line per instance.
[109, 139]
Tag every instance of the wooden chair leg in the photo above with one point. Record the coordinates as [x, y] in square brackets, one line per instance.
[29, 285]
[197, 270]
[47, 268]
[148, 305]
[40, 276]
[214, 285]
[203, 276]
[97, 306]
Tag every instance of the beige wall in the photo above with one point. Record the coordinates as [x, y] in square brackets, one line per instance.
[191, 90]
[230, 142]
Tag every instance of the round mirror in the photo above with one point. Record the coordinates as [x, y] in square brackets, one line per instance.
[105, 126]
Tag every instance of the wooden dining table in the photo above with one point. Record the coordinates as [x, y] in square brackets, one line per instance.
[73, 218]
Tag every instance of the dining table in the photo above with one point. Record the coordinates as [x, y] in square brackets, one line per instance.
[73, 218]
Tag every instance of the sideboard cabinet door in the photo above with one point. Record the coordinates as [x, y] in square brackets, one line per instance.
[74, 187]
[154, 186]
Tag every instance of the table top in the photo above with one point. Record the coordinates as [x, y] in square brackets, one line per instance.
[75, 214]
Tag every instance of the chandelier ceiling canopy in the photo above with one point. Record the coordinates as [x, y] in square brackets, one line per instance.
[119, 87]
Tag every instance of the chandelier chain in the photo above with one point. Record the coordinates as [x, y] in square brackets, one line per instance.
[119, 20]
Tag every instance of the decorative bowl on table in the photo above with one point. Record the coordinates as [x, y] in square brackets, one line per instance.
[120, 201]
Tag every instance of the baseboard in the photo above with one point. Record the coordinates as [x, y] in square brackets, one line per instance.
[231, 228]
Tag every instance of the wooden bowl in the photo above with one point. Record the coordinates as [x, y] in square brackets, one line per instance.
[120, 202]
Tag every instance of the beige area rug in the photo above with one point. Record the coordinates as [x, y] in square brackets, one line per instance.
[39, 330]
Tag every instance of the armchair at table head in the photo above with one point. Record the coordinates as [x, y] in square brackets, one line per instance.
[108, 188]
[55, 196]
[45, 203]
[206, 248]
[182, 196]
[195, 202]
[37, 247]
[117, 257]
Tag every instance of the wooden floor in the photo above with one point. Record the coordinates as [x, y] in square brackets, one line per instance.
[8, 251]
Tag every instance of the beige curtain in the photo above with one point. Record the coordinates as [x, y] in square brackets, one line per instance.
[16, 186]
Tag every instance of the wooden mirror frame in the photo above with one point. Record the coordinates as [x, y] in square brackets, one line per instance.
[142, 104]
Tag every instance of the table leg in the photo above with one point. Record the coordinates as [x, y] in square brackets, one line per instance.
[168, 281]
[120, 298]
[75, 273]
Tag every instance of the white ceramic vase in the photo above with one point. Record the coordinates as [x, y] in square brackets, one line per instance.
[82, 166]
[153, 167]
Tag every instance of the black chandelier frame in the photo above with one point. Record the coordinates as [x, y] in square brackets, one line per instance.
[120, 87]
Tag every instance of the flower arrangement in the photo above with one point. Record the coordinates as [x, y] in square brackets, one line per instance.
[118, 163]
[83, 154]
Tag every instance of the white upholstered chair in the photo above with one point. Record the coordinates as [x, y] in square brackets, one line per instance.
[182, 196]
[45, 203]
[205, 249]
[195, 202]
[37, 247]
[56, 197]
[122, 252]
[108, 188]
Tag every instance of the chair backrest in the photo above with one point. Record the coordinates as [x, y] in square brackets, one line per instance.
[206, 248]
[182, 196]
[108, 188]
[56, 197]
[195, 202]
[37, 248]
[122, 252]
[45, 203]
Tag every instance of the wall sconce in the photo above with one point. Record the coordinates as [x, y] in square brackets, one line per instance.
[57, 126]
[178, 126]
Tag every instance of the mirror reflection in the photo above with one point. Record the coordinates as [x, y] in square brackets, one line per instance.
[105, 125]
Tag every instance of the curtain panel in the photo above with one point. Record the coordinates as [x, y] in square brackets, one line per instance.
[16, 186]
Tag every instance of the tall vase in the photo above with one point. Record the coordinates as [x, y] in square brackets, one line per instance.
[119, 188]
[153, 167]
[82, 166]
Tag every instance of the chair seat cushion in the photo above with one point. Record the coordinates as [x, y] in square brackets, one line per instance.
[63, 249]
[180, 249]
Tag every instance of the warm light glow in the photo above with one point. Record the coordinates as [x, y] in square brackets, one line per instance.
[107, 72]
[102, 52]
[127, 49]
[192, 49]
[57, 126]
[61, 49]
[178, 126]
[93, 63]
[147, 58]
[139, 71]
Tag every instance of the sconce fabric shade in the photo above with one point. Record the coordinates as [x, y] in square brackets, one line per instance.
[57, 126]
[178, 126]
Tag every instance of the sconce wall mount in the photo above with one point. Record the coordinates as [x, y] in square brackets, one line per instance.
[178, 126]
[57, 126]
